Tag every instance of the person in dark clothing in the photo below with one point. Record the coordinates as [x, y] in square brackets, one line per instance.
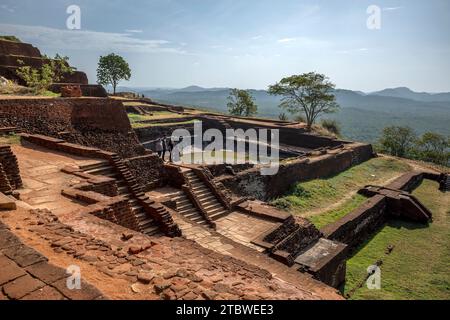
[164, 146]
[159, 147]
[170, 148]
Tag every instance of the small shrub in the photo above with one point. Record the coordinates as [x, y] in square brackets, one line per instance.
[332, 126]
[300, 118]
[282, 204]
[300, 191]
[283, 116]
[10, 38]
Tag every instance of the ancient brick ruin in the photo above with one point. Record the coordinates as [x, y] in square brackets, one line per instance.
[14, 55]
[94, 193]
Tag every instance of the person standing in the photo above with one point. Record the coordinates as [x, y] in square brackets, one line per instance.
[164, 146]
[159, 147]
[170, 148]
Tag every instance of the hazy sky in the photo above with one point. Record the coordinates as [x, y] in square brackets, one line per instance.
[246, 43]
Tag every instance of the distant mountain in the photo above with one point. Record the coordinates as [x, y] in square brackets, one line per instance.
[407, 93]
[362, 116]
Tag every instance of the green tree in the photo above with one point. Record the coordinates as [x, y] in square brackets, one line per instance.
[241, 103]
[52, 71]
[60, 67]
[433, 147]
[111, 69]
[310, 94]
[398, 141]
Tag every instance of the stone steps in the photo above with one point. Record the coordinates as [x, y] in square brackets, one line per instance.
[207, 199]
[147, 225]
[187, 209]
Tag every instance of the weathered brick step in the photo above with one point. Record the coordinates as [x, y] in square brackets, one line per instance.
[218, 215]
[217, 210]
[213, 206]
[151, 231]
[94, 165]
[206, 197]
[101, 170]
[200, 189]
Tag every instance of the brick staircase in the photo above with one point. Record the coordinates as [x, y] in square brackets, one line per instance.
[206, 198]
[147, 225]
[187, 209]
[152, 218]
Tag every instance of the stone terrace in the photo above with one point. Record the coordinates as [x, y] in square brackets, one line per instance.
[124, 264]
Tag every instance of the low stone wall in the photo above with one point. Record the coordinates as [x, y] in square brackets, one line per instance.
[87, 90]
[93, 122]
[93, 183]
[116, 210]
[149, 171]
[18, 49]
[252, 184]
[155, 132]
[357, 226]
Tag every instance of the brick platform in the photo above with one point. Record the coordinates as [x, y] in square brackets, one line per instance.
[26, 274]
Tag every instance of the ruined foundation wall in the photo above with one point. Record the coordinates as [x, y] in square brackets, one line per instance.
[360, 224]
[251, 183]
[93, 122]
[149, 171]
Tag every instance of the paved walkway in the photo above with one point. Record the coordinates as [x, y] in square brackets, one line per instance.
[43, 179]
[26, 274]
[243, 228]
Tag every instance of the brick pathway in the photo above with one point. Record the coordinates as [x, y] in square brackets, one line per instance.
[26, 274]
[43, 180]
[167, 269]
[243, 228]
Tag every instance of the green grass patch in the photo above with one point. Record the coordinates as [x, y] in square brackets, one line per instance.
[326, 218]
[12, 139]
[154, 116]
[418, 267]
[168, 124]
[322, 193]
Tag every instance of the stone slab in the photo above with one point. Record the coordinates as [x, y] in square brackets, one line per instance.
[47, 293]
[22, 286]
[6, 203]
[9, 270]
[8, 239]
[46, 272]
[87, 292]
[24, 256]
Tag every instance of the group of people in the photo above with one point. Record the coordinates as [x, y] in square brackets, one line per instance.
[163, 145]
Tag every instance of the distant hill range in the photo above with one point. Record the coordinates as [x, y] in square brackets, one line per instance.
[362, 115]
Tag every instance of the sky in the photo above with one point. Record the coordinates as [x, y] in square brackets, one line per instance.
[247, 43]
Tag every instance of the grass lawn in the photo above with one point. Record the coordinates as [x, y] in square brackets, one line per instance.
[10, 139]
[418, 267]
[323, 219]
[323, 193]
[155, 116]
[144, 125]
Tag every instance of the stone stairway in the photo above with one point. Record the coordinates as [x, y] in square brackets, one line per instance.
[187, 209]
[147, 225]
[207, 199]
